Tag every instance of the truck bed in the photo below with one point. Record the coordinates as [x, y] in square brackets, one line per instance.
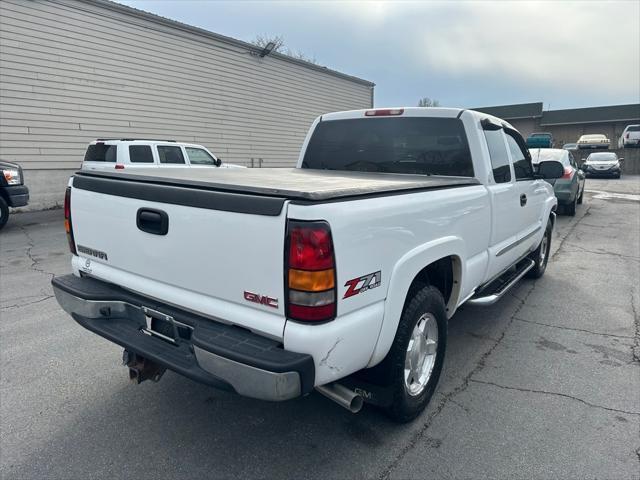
[283, 183]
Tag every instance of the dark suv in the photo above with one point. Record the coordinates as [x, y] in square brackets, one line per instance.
[13, 192]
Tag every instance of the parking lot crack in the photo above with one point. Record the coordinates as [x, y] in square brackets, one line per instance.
[557, 394]
[575, 329]
[480, 364]
[446, 398]
[569, 232]
[635, 350]
[35, 263]
[612, 254]
[20, 305]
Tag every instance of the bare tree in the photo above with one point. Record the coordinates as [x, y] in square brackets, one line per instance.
[427, 102]
[280, 47]
[262, 41]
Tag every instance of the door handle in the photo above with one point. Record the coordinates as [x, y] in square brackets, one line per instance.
[152, 221]
[523, 200]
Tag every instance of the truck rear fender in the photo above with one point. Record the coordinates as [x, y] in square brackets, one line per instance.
[409, 268]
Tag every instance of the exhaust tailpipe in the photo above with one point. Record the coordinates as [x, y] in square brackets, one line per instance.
[342, 396]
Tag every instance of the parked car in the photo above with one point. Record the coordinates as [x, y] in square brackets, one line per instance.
[126, 153]
[338, 275]
[569, 189]
[13, 191]
[603, 164]
[572, 147]
[593, 141]
[630, 137]
[540, 140]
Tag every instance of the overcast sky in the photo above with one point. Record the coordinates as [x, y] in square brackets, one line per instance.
[467, 54]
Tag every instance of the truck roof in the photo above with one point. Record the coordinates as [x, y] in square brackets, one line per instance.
[432, 112]
[292, 184]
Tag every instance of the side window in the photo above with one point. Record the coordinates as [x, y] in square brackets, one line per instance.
[100, 152]
[140, 154]
[572, 160]
[521, 161]
[198, 156]
[498, 154]
[170, 154]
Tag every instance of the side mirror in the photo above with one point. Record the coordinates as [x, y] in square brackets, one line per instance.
[550, 169]
[218, 162]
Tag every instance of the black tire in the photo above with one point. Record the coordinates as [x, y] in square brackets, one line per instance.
[581, 196]
[423, 302]
[570, 208]
[4, 213]
[540, 255]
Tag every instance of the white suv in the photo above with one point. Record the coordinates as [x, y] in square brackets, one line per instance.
[630, 137]
[118, 154]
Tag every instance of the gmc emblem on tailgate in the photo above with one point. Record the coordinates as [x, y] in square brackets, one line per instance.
[261, 299]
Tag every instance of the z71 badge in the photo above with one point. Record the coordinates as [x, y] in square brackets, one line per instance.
[362, 284]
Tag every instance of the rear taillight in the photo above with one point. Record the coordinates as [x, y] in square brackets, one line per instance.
[384, 112]
[310, 272]
[568, 173]
[68, 227]
[627, 136]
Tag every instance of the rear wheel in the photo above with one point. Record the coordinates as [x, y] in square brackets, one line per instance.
[415, 359]
[570, 208]
[581, 196]
[4, 212]
[540, 255]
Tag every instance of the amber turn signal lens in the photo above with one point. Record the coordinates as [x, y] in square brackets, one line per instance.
[315, 281]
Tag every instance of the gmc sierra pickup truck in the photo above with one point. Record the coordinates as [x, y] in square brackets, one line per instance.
[339, 275]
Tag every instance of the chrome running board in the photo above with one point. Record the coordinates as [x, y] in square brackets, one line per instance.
[496, 289]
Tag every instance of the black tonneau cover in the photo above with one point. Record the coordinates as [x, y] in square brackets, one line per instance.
[295, 184]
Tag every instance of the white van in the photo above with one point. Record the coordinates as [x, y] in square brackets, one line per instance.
[118, 154]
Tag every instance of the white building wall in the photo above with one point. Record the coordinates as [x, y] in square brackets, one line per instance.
[72, 71]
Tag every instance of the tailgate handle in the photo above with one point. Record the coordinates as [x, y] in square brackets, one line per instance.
[152, 221]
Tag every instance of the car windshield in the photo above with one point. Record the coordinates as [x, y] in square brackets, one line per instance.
[633, 128]
[602, 157]
[411, 145]
[545, 154]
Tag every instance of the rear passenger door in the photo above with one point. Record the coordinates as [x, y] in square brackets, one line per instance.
[170, 156]
[141, 156]
[531, 195]
[505, 227]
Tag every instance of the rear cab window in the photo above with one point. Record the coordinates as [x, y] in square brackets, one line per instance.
[101, 152]
[171, 154]
[409, 145]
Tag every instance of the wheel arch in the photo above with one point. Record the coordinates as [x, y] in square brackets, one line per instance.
[439, 263]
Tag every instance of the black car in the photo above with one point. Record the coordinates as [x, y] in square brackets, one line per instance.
[606, 164]
[13, 192]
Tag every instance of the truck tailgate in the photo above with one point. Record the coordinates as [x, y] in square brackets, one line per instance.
[222, 253]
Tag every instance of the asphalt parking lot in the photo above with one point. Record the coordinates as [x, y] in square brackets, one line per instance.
[544, 384]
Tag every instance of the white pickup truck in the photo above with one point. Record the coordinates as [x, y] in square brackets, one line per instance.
[339, 275]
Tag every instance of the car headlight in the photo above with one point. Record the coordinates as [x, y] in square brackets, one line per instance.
[12, 176]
